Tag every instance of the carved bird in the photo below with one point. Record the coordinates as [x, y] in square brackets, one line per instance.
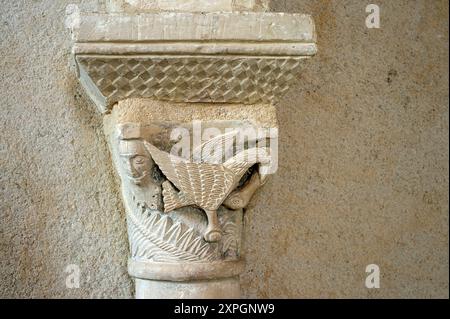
[205, 183]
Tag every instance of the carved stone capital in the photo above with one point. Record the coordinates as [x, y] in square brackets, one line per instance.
[187, 97]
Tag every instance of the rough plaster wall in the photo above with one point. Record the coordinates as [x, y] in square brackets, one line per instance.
[59, 202]
[363, 174]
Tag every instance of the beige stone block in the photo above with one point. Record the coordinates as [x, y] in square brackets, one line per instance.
[248, 58]
[186, 5]
[213, 26]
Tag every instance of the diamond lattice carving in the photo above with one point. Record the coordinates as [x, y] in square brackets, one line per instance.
[191, 79]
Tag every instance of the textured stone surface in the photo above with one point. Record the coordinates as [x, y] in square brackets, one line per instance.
[363, 174]
[213, 26]
[215, 289]
[58, 201]
[185, 5]
[189, 57]
[191, 79]
[196, 238]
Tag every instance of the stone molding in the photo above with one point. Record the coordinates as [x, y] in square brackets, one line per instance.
[185, 272]
[139, 6]
[190, 57]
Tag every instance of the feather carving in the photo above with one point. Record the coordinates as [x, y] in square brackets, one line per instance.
[205, 185]
[158, 238]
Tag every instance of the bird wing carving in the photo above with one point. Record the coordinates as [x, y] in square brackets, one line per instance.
[207, 185]
[206, 153]
[247, 158]
[166, 162]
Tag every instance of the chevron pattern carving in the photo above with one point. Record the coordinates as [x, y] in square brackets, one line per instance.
[158, 238]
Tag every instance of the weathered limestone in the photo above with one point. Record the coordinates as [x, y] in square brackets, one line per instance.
[188, 170]
[139, 6]
[184, 244]
[190, 57]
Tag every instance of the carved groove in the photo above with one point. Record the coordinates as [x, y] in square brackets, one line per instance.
[231, 236]
[191, 79]
[158, 238]
[203, 184]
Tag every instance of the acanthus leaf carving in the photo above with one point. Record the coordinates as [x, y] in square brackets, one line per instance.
[158, 238]
[231, 240]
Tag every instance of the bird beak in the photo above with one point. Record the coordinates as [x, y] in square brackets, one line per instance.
[263, 178]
